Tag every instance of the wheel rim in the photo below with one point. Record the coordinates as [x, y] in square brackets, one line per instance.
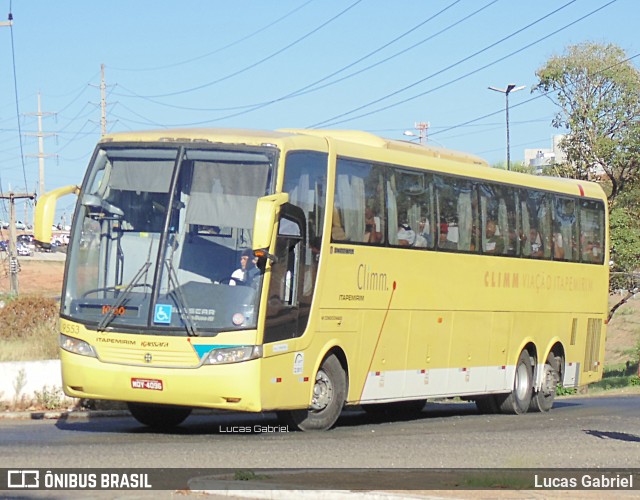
[522, 382]
[322, 392]
[550, 381]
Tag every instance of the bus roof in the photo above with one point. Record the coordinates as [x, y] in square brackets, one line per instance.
[258, 136]
[368, 139]
[467, 164]
[226, 135]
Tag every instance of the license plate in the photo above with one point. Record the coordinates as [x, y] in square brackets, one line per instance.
[146, 383]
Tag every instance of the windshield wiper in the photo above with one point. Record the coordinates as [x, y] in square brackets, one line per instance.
[181, 300]
[123, 296]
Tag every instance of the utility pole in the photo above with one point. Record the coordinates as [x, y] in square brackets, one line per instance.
[422, 128]
[13, 253]
[103, 101]
[40, 135]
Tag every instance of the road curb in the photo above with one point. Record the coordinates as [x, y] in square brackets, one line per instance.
[313, 494]
[62, 414]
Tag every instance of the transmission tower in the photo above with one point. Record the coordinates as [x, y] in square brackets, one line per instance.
[40, 135]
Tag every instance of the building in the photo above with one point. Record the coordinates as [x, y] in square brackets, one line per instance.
[540, 158]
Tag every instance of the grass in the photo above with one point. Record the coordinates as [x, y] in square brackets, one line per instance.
[618, 376]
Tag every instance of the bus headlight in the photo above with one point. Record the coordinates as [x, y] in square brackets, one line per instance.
[236, 354]
[76, 346]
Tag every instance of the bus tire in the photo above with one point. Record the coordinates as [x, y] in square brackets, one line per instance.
[518, 400]
[543, 399]
[158, 416]
[329, 395]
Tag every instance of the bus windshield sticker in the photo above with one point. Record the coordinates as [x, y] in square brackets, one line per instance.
[162, 314]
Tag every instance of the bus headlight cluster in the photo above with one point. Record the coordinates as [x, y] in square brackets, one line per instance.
[233, 354]
[76, 346]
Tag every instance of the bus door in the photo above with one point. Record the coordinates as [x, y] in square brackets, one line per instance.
[284, 319]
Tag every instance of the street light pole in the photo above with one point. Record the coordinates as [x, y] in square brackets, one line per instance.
[506, 91]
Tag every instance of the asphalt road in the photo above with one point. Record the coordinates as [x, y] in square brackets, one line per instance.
[578, 432]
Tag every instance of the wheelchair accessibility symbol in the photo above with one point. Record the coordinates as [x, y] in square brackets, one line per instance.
[162, 314]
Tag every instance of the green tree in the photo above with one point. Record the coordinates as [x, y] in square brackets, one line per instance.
[625, 237]
[597, 89]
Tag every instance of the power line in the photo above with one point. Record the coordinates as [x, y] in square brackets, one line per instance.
[220, 49]
[522, 103]
[15, 87]
[307, 89]
[301, 91]
[257, 63]
[334, 120]
[312, 87]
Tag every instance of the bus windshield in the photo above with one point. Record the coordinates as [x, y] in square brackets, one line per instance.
[162, 239]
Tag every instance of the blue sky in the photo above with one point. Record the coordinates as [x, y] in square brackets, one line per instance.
[374, 65]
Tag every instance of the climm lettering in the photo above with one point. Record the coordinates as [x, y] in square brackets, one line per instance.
[498, 279]
[370, 280]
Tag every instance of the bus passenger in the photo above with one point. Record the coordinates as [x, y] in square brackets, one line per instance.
[425, 231]
[558, 246]
[406, 236]
[372, 227]
[495, 244]
[337, 231]
[591, 252]
[535, 243]
[512, 246]
[443, 239]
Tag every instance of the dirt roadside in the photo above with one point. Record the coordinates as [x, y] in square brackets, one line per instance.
[39, 275]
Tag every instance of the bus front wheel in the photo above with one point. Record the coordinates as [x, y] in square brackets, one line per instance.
[543, 399]
[329, 395]
[518, 400]
[158, 416]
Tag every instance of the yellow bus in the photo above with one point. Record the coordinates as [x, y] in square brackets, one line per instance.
[300, 271]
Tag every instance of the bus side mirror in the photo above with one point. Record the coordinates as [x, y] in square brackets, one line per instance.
[45, 212]
[267, 209]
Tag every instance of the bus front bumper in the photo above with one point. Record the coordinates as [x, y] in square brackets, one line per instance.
[234, 386]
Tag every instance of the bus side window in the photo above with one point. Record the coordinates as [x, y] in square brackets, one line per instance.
[458, 213]
[357, 215]
[536, 224]
[284, 273]
[282, 320]
[565, 229]
[410, 208]
[592, 232]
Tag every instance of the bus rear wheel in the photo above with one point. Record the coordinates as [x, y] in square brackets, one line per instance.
[518, 400]
[158, 416]
[329, 395]
[543, 399]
